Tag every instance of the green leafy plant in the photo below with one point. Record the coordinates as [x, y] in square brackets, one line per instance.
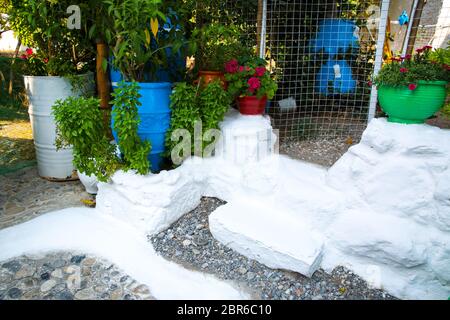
[80, 124]
[43, 25]
[425, 65]
[248, 76]
[126, 121]
[215, 44]
[191, 104]
[138, 43]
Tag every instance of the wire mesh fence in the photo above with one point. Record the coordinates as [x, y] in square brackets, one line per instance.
[323, 53]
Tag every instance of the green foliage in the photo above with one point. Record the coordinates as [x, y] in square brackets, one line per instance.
[216, 44]
[248, 77]
[409, 70]
[80, 124]
[214, 102]
[126, 121]
[191, 104]
[136, 39]
[43, 25]
[185, 112]
[446, 110]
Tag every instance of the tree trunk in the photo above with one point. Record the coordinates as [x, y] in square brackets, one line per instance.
[11, 71]
[103, 85]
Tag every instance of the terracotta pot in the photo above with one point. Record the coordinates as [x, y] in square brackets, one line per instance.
[206, 77]
[252, 105]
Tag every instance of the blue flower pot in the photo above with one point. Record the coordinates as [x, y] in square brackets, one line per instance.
[154, 114]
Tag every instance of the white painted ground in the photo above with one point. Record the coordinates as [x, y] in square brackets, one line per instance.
[87, 231]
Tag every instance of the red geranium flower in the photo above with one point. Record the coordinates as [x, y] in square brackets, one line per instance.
[260, 71]
[45, 60]
[24, 57]
[403, 70]
[231, 66]
[419, 50]
[412, 86]
[427, 48]
[446, 67]
[254, 83]
[29, 51]
[408, 57]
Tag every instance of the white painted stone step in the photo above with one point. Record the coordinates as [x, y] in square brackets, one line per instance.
[268, 235]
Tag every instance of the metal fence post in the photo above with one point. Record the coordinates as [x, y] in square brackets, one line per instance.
[262, 45]
[378, 56]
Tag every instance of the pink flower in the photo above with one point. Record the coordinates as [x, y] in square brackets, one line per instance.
[254, 83]
[29, 51]
[45, 60]
[403, 70]
[408, 57]
[412, 86]
[369, 83]
[231, 66]
[241, 69]
[260, 71]
[427, 48]
[419, 50]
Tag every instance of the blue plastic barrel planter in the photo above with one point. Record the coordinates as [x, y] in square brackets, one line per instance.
[335, 36]
[154, 114]
[335, 77]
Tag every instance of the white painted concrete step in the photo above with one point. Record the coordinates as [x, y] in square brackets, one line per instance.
[268, 235]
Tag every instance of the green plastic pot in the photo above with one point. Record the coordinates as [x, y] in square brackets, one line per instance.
[403, 105]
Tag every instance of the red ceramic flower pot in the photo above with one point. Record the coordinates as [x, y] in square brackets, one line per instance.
[252, 105]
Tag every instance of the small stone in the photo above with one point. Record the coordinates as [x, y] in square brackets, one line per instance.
[12, 266]
[85, 294]
[141, 289]
[318, 297]
[123, 279]
[205, 265]
[116, 294]
[57, 274]
[250, 276]
[86, 271]
[64, 295]
[242, 270]
[59, 263]
[88, 262]
[77, 259]
[199, 226]
[186, 243]
[100, 288]
[195, 251]
[14, 293]
[24, 272]
[178, 253]
[48, 285]
[45, 276]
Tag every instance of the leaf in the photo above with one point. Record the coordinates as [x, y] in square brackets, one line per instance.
[147, 37]
[154, 25]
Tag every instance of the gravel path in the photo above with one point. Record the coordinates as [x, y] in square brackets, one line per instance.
[323, 151]
[24, 195]
[190, 243]
[66, 276]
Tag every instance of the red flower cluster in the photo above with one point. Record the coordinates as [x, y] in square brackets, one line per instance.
[232, 66]
[424, 49]
[254, 84]
[412, 86]
[260, 71]
[403, 70]
[28, 53]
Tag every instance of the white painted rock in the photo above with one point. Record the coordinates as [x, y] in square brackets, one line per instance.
[398, 179]
[245, 138]
[151, 203]
[270, 236]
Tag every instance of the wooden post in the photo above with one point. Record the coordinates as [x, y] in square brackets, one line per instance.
[103, 85]
[11, 71]
[415, 26]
